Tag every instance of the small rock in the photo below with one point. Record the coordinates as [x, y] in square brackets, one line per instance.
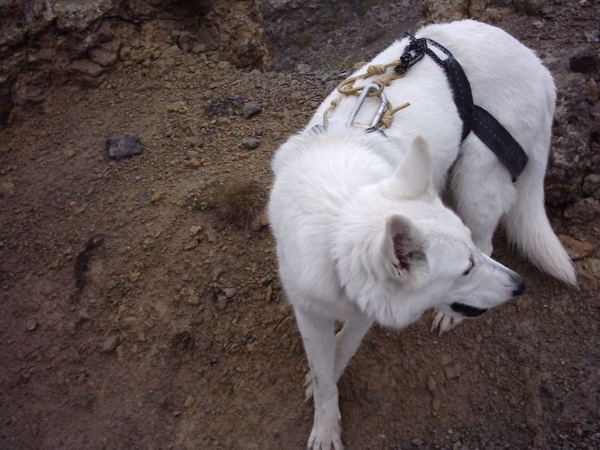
[195, 229]
[406, 445]
[595, 124]
[230, 292]
[87, 67]
[83, 315]
[585, 62]
[211, 235]
[260, 222]
[186, 41]
[195, 141]
[452, 372]
[455, 437]
[191, 245]
[157, 196]
[583, 211]
[303, 68]
[576, 249]
[269, 294]
[134, 276]
[251, 143]
[110, 344]
[7, 187]
[592, 91]
[32, 325]
[222, 302]
[122, 147]
[193, 300]
[591, 185]
[538, 23]
[189, 401]
[71, 328]
[103, 57]
[432, 385]
[194, 163]
[179, 106]
[592, 268]
[418, 442]
[251, 109]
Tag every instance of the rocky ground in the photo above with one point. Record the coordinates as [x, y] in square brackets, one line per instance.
[140, 303]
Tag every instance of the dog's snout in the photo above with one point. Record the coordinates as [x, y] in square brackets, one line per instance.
[520, 287]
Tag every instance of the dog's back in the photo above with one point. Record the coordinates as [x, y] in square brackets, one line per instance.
[508, 80]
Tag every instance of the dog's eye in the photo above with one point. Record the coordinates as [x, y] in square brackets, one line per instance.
[471, 265]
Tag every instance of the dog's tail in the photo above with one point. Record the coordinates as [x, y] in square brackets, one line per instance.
[528, 228]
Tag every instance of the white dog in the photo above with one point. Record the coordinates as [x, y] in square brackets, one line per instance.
[361, 232]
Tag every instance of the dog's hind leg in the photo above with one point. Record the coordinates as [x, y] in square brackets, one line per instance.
[482, 191]
[318, 335]
[347, 341]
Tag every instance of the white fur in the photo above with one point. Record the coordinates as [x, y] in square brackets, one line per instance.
[361, 232]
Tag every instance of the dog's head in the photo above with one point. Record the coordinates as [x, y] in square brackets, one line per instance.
[399, 252]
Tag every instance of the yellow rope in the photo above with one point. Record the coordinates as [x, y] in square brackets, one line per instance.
[347, 87]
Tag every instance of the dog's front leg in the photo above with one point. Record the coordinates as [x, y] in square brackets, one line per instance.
[318, 335]
[347, 342]
[443, 323]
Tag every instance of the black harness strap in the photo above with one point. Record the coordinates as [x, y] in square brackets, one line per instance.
[461, 92]
[500, 141]
[474, 118]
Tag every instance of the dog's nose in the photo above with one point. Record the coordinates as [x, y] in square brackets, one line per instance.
[520, 289]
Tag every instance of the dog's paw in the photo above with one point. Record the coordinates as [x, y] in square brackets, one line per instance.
[326, 436]
[308, 387]
[443, 323]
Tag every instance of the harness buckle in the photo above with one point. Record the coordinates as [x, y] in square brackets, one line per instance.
[361, 99]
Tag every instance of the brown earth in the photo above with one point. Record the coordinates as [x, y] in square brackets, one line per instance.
[136, 313]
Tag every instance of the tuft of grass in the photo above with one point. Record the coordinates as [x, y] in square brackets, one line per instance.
[330, 24]
[239, 202]
[364, 6]
[370, 37]
[224, 106]
[304, 40]
[342, 66]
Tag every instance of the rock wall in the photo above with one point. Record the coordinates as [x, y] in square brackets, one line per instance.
[46, 42]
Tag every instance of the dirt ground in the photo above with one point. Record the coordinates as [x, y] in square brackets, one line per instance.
[135, 312]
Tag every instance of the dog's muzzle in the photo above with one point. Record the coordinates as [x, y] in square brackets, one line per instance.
[466, 310]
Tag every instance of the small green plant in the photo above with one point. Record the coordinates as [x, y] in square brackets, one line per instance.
[224, 106]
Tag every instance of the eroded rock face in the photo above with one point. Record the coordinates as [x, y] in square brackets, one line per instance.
[42, 42]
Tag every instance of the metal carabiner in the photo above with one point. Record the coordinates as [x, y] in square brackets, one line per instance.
[361, 99]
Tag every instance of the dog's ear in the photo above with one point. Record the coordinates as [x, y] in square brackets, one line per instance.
[403, 247]
[415, 172]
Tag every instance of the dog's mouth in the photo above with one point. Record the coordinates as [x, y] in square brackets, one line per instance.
[469, 311]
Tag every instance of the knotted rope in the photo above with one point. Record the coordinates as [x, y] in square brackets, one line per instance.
[347, 87]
